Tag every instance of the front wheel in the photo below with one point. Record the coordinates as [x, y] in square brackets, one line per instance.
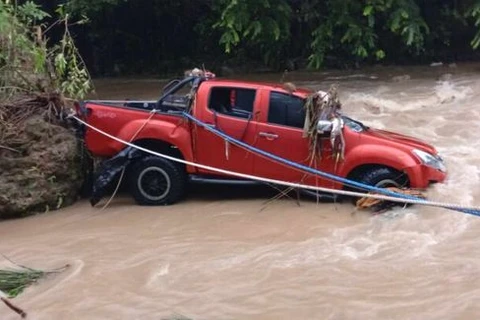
[383, 177]
[380, 177]
[156, 181]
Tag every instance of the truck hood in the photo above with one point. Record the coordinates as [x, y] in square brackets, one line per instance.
[401, 139]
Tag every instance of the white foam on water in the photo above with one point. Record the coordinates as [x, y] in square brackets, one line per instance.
[353, 76]
[447, 91]
[163, 270]
[381, 99]
[358, 248]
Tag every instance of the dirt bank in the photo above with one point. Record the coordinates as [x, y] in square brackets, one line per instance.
[40, 158]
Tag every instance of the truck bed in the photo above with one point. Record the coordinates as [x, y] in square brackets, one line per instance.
[174, 104]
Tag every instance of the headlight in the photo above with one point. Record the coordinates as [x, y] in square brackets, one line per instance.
[430, 160]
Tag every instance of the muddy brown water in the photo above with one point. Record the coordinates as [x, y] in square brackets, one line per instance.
[225, 253]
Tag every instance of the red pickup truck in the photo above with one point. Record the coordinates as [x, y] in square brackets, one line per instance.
[264, 115]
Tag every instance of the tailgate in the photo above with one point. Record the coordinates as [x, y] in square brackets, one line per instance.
[111, 118]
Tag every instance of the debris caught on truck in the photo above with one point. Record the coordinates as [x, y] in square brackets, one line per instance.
[379, 206]
[110, 171]
[323, 115]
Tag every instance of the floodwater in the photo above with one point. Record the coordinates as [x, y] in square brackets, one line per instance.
[230, 253]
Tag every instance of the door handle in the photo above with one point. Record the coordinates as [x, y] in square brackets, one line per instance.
[269, 136]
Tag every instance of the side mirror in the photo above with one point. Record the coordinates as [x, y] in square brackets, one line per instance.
[324, 126]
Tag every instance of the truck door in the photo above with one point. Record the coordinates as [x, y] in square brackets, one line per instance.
[281, 133]
[229, 109]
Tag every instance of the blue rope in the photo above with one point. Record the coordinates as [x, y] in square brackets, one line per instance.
[314, 171]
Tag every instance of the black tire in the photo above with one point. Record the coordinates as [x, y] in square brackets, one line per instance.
[380, 177]
[156, 181]
[383, 177]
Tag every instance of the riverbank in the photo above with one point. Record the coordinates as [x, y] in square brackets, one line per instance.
[40, 156]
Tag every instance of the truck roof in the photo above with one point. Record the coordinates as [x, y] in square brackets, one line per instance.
[303, 92]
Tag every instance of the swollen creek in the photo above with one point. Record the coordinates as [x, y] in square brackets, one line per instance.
[230, 253]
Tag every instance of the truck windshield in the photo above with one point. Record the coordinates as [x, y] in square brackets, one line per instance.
[355, 125]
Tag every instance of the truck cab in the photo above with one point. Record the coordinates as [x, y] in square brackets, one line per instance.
[271, 118]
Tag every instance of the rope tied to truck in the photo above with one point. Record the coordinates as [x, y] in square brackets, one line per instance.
[322, 116]
[374, 192]
[347, 182]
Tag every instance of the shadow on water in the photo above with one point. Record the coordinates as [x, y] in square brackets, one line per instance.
[206, 192]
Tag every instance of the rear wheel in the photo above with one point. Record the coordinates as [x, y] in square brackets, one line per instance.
[156, 181]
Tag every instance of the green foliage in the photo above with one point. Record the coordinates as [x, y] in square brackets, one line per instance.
[19, 51]
[167, 35]
[71, 73]
[30, 11]
[406, 21]
[28, 64]
[87, 7]
[353, 25]
[474, 12]
[257, 22]
[368, 29]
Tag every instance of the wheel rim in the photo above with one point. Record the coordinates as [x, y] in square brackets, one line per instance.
[154, 183]
[385, 183]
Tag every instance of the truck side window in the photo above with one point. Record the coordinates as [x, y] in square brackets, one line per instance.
[287, 110]
[234, 102]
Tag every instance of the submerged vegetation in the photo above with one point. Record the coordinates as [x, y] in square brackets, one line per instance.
[134, 36]
[13, 282]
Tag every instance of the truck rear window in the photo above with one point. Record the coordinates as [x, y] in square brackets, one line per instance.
[237, 102]
[287, 110]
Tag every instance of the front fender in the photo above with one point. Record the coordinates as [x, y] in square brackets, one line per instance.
[175, 134]
[379, 155]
